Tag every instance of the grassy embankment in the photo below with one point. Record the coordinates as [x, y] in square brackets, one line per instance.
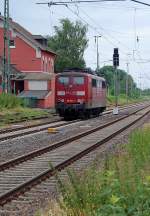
[120, 188]
[13, 109]
[122, 100]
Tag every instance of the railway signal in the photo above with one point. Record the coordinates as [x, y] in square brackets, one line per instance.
[116, 64]
[116, 57]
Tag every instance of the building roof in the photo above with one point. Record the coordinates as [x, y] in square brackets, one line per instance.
[38, 37]
[28, 35]
[38, 76]
[33, 76]
[34, 94]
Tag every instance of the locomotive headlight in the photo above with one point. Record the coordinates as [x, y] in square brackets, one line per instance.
[61, 93]
[80, 93]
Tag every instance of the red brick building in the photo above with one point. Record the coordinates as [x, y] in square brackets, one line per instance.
[34, 63]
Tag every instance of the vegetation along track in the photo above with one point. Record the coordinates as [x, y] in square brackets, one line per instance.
[11, 133]
[20, 175]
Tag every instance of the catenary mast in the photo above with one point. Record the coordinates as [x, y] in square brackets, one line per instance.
[6, 84]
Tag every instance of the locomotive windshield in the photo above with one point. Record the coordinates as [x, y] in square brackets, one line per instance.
[78, 80]
[63, 80]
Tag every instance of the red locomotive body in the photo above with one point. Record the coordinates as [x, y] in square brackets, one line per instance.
[80, 94]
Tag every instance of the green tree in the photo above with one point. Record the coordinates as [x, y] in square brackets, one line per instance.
[69, 42]
[108, 73]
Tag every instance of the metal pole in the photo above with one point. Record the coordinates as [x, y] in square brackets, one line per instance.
[140, 86]
[4, 53]
[97, 56]
[127, 82]
[6, 57]
[8, 45]
[116, 87]
[97, 51]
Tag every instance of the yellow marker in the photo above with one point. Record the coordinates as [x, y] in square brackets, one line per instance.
[52, 130]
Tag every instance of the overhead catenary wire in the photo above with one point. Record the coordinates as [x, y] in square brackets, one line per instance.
[89, 1]
[103, 29]
[140, 2]
[77, 14]
[99, 29]
[96, 30]
[77, 1]
[65, 3]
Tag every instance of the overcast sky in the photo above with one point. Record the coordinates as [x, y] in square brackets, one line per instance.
[119, 23]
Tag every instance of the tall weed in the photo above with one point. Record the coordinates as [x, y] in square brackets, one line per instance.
[8, 101]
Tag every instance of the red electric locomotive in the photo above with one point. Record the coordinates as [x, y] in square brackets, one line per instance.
[79, 93]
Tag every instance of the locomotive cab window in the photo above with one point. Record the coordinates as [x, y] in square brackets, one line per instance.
[78, 80]
[94, 83]
[63, 80]
[99, 83]
[103, 84]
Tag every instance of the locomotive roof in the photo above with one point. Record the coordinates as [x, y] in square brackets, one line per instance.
[80, 74]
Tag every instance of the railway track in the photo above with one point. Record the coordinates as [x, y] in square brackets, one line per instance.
[10, 133]
[21, 174]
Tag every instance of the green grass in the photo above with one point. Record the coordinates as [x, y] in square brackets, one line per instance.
[122, 100]
[21, 114]
[12, 109]
[120, 188]
[9, 101]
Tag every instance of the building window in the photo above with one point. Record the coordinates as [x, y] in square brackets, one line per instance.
[43, 65]
[49, 65]
[99, 83]
[12, 44]
[46, 66]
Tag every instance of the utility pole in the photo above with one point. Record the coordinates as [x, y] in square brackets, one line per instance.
[6, 56]
[140, 84]
[127, 79]
[127, 82]
[97, 52]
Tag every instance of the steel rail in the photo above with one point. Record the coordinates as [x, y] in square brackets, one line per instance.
[22, 188]
[7, 130]
[33, 154]
[3, 131]
[36, 130]
[42, 124]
